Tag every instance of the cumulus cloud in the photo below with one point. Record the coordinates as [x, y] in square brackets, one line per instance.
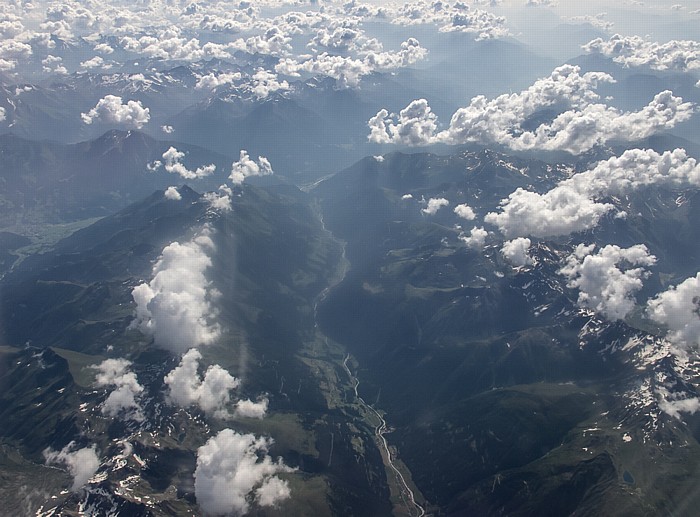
[220, 200]
[173, 165]
[608, 279]
[678, 308]
[415, 125]
[435, 204]
[211, 392]
[172, 194]
[673, 404]
[249, 409]
[572, 205]
[449, 17]
[234, 471]
[246, 167]
[212, 81]
[348, 71]
[2, 114]
[476, 238]
[175, 307]
[111, 110]
[115, 373]
[81, 463]
[263, 83]
[465, 212]
[582, 121]
[680, 55]
[516, 251]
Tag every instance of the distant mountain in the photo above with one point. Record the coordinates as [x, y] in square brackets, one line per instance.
[45, 182]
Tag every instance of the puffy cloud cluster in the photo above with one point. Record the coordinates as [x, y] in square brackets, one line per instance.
[348, 71]
[516, 252]
[172, 194]
[455, 17]
[173, 165]
[680, 55]
[246, 167]
[476, 238]
[210, 392]
[115, 373]
[416, 124]
[234, 471]
[678, 308]
[264, 82]
[220, 200]
[249, 409]
[175, 307]
[3, 115]
[110, 110]
[81, 463]
[571, 206]
[465, 212]
[608, 279]
[435, 204]
[212, 81]
[513, 120]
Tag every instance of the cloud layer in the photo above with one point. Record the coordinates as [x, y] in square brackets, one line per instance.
[573, 206]
[523, 121]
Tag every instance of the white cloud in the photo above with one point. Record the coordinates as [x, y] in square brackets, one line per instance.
[168, 130]
[465, 212]
[210, 392]
[175, 306]
[220, 200]
[111, 110]
[114, 373]
[272, 491]
[516, 251]
[348, 71]
[234, 471]
[2, 114]
[95, 62]
[81, 463]
[264, 82]
[678, 308]
[249, 409]
[53, 65]
[173, 165]
[172, 194]
[378, 158]
[245, 167]
[415, 125]
[582, 122]
[406, 197]
[673, 404]
[476, 239]
[680, 55]
[607, 280]
[435, 204]
[457, 17]
[212, 81]
[571, 206]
